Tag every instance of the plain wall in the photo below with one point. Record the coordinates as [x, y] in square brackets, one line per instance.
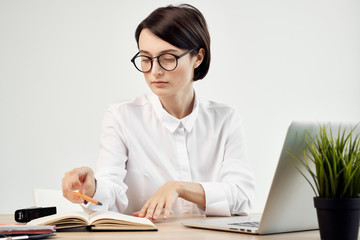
[63, 61]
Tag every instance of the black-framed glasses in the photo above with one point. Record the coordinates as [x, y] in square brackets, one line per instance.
[167, 61]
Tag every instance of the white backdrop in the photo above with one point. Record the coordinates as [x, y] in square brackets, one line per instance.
[63, 61]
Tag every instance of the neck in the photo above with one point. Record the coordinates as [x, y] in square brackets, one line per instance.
[178, 106]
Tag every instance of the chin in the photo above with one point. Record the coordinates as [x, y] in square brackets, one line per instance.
[161, 92]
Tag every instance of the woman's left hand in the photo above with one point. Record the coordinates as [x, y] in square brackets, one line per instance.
[163, 198]
[166, 195]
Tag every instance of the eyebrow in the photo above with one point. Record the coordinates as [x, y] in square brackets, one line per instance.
[164, 51]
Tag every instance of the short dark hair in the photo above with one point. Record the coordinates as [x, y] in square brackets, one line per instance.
[183, 26]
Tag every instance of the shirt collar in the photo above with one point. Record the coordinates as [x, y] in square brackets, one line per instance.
[171, 122]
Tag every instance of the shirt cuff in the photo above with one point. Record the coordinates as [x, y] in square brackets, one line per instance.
[101, 195]
[216, 202]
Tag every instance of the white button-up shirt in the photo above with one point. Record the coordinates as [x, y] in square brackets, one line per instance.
[143, 147]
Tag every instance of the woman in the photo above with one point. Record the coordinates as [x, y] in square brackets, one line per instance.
[169, 151]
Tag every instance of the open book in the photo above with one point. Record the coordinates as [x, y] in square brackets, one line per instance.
[95, 221]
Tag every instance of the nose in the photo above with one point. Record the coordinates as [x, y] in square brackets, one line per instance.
[156, 68]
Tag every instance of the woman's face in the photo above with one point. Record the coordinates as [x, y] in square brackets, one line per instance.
[167, 83]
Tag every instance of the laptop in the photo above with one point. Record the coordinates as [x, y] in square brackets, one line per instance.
[289, 206]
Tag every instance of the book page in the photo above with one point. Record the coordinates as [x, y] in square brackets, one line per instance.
[63, 219]
[118, 218]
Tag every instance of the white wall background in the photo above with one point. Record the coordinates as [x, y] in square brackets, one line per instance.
[63, 61]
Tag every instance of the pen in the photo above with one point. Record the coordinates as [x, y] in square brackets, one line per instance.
[89, 199]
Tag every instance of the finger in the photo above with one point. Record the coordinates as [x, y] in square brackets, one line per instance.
[89, 186]
[167, 210]
[74, 182]
[68, 191]
[157, 210]
[66, 183]
[136, 214]
[84, 173]
[150, 210]
[142, 212]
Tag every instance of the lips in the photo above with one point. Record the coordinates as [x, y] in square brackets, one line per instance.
[159, 83]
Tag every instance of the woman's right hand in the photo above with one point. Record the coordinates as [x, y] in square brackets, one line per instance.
[79, 179]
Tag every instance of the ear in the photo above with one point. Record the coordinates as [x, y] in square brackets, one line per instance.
[199, 58]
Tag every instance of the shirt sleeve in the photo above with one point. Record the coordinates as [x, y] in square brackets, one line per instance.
[234, 191]
[111, 167]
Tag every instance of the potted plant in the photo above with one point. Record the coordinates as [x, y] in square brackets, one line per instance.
[331, 165]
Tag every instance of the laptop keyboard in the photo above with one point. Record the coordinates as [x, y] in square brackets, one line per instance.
[246, 224]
